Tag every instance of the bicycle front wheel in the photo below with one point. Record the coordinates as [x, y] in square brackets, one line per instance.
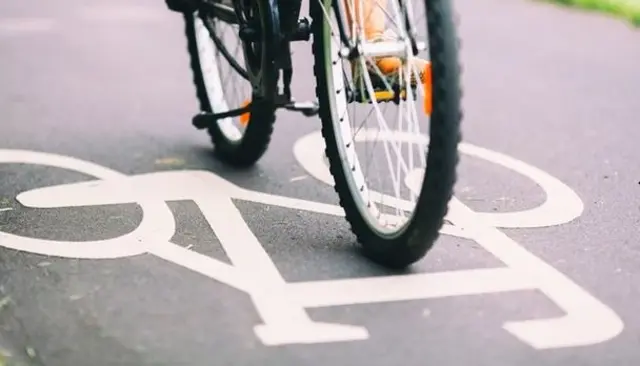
[392, 114]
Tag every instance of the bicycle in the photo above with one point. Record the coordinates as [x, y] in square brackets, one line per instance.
[241, 133]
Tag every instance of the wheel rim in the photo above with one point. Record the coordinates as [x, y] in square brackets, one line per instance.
[387, 214]
[216, 86]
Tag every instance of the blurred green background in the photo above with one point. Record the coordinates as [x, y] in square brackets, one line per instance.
[628, 9]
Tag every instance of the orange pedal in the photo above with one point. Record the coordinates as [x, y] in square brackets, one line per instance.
[246, 116]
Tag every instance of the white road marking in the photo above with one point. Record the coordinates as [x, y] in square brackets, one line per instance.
[160, 226]
[561, 206]
[587, 320]
[6, 209]
[252, 272]
[282, 305]
[406, 287]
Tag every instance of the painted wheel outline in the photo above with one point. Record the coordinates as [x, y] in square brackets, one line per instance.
[562, 204]
[128, 245]
[586, 321]
[553, 211]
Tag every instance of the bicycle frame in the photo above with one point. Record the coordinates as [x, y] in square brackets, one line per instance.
[280, 24]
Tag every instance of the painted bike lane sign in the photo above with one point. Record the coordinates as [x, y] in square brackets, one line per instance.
[281, 305]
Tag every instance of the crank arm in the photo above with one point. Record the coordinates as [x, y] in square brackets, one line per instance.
[206, 119]
[308, 109]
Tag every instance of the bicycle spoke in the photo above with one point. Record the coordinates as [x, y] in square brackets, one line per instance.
[399, 165]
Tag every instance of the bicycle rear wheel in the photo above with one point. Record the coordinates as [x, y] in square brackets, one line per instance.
[222, 66]
[399, 221]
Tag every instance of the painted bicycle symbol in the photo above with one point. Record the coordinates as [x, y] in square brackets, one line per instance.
[281, 305]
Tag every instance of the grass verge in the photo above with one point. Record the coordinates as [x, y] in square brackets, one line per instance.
[627, 9]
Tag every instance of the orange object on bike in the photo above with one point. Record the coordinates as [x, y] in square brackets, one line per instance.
[428, 90]
[246, 116]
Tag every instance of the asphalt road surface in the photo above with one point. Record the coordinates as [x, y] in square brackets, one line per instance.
[107, 82]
